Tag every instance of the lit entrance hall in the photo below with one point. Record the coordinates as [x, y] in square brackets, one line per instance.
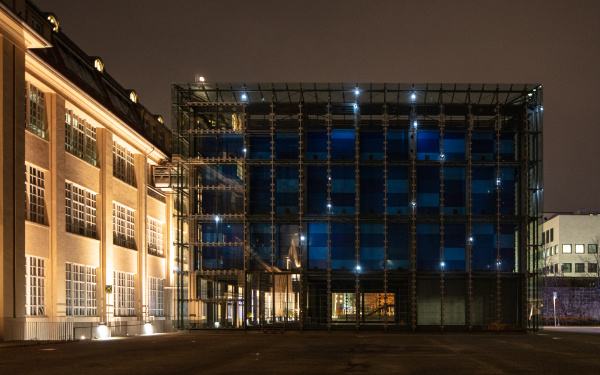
[357, 206]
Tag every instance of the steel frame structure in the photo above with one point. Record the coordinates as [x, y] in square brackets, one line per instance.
[249, 294]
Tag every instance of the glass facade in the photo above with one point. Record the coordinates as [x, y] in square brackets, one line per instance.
[404, 207]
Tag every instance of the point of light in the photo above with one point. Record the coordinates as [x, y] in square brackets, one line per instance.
[83, 337]
[413, 97]
[356, 91]
[329, 178]
[541, 108]
[217, 219]
[329, 205]
[442, 264]
[470, 239]
[441, 156]
[358, 267]
[244, 96]
[302, 238]
[413, 203]
[216, 324]
[415, 124]
[148, 329]
[244, 150]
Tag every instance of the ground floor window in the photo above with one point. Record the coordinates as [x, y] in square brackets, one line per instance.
[124, 291]
[36, 286]
[156, 292]
[81, 290]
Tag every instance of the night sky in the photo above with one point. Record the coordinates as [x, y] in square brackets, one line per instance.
[147, 45]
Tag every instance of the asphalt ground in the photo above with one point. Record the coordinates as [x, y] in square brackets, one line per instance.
[551, 351]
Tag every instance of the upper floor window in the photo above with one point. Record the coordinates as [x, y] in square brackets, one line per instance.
[80, 138]
[35, 204]
[123, 166]
[35, 111]
[80, 210]
[123, 226]
[155, 237]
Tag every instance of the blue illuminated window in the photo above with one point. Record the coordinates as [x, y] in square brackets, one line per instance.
[316, 181]
[342, 144]
[317, 246]
[371, 246]
[371, 145]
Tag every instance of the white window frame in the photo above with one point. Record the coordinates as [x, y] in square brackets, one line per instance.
[35, 194]
[154, 237]
[80, 210]
[156, 306]
[123, 226]
[35, 111]
[35, 281]
[123, 164]
[81, 290]
[124, 293]
[80, 138]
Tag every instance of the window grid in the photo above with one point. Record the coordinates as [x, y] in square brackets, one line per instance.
[156, 302]
[123, 164]
[35, 112]
[155, 237]
[35, 193]
[80, 210]
[123, 226]
[124, 294]
[80, 138]
[35, 284]
[81, 290]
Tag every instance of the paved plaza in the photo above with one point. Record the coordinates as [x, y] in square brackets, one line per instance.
[552, 351]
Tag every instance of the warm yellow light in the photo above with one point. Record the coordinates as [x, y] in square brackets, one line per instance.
[99, 65]
[54, 21]
[133, 96]
[160, 119]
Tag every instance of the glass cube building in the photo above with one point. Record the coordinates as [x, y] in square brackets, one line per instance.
[357, 206]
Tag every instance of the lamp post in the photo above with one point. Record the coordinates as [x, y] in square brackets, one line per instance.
[554, 301]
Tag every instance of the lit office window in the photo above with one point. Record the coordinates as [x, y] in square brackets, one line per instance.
[566, 249]
[81, 290]
[156, 289]
[35, 111]
[124, 289]
[35, 194]
[123, 166]
[80, 209]
[80, 138]
[155, 237]
[579, 249]
[36, 285]
[123, 226]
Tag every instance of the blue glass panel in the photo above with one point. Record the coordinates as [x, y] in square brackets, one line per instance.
[371, 190]
[483, 248]
[316, 145]
[428, 247]
[454, 191]
[508, 185]
[221, 232]
[507, 146]
[428, 145]
[482, 146]
[507, 247]
[397, 194]
[371, 246]
[260, 190]
[222, 257]
[398, 245]
[342, 144]
[260, 246]
[206, 146]
[483, 190]
[260, 147]
[317, 245]
[342, 246]
[454, 145]
[343, 190]
[428, 190]
[286, 146]
[286, 190]
[397, 145]
[231, 145]
[454, 247]
[316, 181]
[371, 145]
